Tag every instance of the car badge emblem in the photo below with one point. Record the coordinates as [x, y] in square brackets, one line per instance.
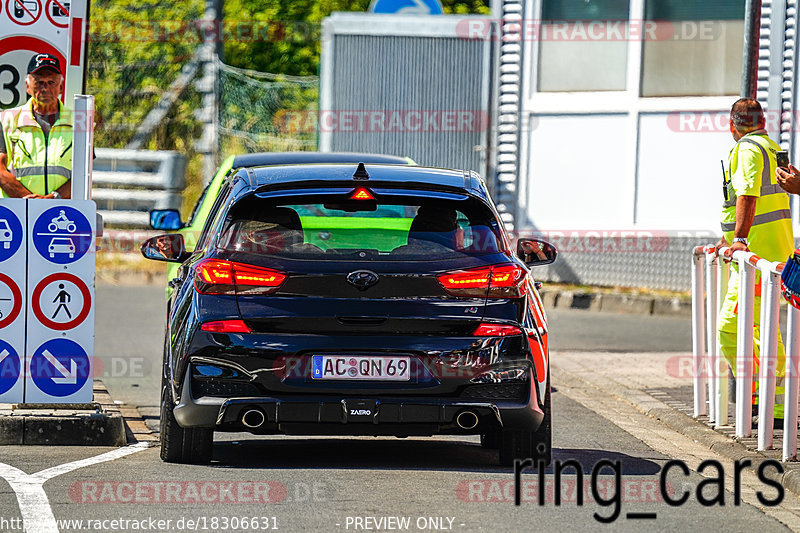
[362, 279]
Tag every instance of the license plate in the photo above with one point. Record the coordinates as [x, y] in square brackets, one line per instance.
[347, 367]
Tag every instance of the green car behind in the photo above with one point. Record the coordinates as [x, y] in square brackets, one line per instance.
[169, 219]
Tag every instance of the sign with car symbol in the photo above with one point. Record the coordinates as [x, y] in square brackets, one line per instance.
[10, 233]
[12, 298]
[60, 311]
[62, 235]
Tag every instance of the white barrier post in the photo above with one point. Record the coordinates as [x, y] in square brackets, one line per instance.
[712, 298]
[698, 334]
[744, 345]
[720, 364]
[82, 143]
[792, 379]
[768, 354]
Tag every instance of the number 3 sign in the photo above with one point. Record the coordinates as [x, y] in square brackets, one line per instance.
[15, 53]
[25, 32]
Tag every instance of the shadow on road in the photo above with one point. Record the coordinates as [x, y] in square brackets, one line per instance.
[384, 454]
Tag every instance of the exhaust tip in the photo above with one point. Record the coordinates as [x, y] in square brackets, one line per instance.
[253, 418]
[467, 420]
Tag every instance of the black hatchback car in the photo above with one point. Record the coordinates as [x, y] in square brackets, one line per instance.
[355, 300]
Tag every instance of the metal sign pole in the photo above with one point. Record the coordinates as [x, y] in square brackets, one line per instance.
[744, 345]
[698, 334]
[792, 377]
[711, 333]
[82, 144]
[720, 364]
[752, 25]
[768, 363]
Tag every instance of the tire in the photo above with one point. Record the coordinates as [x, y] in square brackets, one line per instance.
[182, 445]
[537, 445]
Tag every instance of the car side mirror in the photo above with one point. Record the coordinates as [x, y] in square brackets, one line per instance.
[535, 252]
[168, 247]
[165, 219]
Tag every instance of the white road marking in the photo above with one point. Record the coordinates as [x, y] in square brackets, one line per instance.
[70, 376]
[37, 516]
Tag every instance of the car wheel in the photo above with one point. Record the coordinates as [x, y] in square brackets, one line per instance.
[182, 445]
[537, 445]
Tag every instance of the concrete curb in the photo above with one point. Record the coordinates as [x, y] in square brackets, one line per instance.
[124, 277]
[717, 442]
[725, 446]
[97, 424]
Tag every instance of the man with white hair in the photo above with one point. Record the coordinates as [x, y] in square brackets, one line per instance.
[36, 137]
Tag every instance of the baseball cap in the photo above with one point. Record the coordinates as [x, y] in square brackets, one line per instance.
[40, 61]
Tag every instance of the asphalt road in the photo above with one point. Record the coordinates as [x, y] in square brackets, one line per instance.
[363, 484]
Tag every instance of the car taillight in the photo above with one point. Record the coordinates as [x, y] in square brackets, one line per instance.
[495, 330]
[215, 276]
[496, 281]
[226, 326]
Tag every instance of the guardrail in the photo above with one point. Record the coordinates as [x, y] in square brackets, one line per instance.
[126, 184]
[709, 283]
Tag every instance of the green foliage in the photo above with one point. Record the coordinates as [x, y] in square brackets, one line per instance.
[285, 36]
[136, 50]
[138, 47]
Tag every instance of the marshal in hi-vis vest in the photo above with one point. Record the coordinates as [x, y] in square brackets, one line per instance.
[751, 172]
[41, 167]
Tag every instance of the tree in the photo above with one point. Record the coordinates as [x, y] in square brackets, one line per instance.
[286, 35]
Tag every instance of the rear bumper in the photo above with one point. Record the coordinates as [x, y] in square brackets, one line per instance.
[356, 415]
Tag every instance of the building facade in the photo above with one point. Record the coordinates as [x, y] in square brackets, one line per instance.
[616, 120]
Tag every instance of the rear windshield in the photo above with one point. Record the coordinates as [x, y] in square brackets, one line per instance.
[335, 227]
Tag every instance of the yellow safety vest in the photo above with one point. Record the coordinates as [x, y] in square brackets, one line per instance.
[751, 172]
[40, 166]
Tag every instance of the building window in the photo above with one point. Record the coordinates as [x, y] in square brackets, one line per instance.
[583, 45]
[694, 48]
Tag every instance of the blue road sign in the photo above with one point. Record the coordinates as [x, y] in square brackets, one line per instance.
[407, 7]
[62, 235]
[10, 233]
[9, 367]
[60, 367]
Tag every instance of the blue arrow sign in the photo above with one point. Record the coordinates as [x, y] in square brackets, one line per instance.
[9, 367]
[407, 7]
[10, 233]
[62, 235]
[60, 367]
